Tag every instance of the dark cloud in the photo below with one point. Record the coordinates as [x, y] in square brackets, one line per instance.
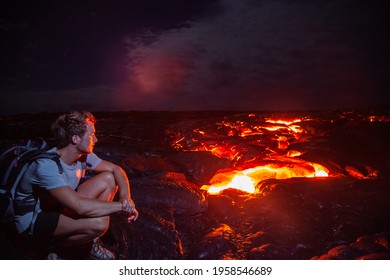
[195, 55]
[267, 55]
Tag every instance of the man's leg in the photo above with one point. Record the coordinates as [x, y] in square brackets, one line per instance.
[72, 230]
[81, 230]
[102, 186]
[79, 238]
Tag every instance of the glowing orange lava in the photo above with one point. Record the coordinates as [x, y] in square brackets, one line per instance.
[246, 180]
[226, 142]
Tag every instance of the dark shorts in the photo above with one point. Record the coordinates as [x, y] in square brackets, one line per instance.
[44, 227]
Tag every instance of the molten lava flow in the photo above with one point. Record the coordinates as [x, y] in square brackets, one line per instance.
[246, 180]
[220, 151]
[239, 181]
[283, 121]
[245, 142]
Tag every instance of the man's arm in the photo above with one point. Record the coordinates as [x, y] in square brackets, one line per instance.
[122, 181]
[85, 207]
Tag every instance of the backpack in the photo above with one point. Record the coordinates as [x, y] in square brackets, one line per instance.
[14, 162]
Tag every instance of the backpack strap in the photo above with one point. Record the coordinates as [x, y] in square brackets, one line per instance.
[56, 158]
[53, 156]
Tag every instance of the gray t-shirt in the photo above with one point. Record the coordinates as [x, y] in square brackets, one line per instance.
[44, 173]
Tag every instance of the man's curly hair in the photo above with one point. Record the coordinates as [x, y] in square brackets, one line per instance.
[69, 124]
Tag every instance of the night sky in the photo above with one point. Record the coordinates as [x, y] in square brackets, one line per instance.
[193, 55]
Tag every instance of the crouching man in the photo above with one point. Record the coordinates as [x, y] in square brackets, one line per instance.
[70, 213]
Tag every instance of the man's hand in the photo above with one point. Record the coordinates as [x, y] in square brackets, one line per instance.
[128, 206]
[133, 216]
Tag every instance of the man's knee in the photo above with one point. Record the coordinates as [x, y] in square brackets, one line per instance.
[102, 186]
[100, 225]
[109, 180]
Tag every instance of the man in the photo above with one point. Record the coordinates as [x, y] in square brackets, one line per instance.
[70, 213]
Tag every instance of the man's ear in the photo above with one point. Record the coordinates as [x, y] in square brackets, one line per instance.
[75, 139]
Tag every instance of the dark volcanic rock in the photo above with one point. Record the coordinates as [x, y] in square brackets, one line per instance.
[147, 164]
[215, 244]
[200, 167]
[344, 216]
[181, 196]
[150, 237]
[372, 247]
[344, 252]
[269, 252]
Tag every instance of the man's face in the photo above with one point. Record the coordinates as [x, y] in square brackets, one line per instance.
[88, 140]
